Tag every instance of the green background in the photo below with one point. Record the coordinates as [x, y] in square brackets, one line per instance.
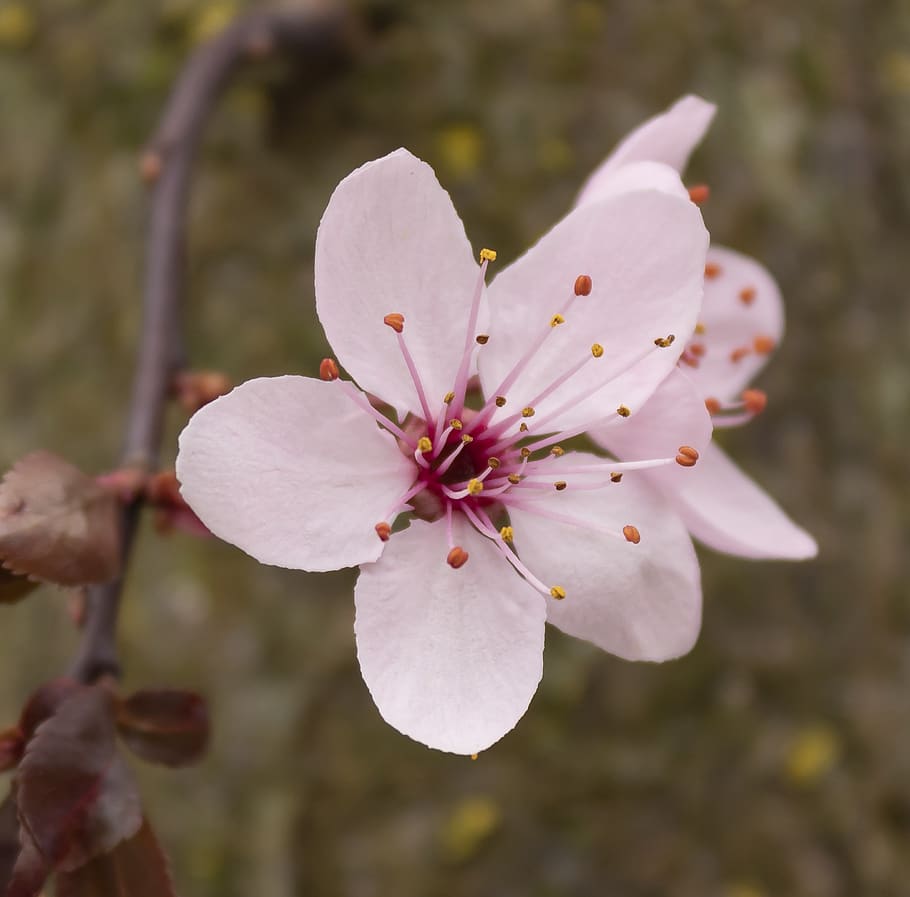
[775, 758]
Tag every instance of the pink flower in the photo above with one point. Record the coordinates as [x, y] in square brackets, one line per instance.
[508, 530]
[740, 324]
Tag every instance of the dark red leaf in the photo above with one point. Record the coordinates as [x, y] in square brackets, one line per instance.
[14, 588]
[44, 702]
[9, 841]
[57, 524]
[30, 870]
[135, 868]
[165, 726]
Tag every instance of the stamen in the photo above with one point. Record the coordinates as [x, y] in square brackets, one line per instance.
[527, 412]
[560, 485]
[449, 460]
[455, 423]
[739, 354]
[597, 350]
[328, 369]
[687, 456]
[493, 463]
[747, 295]
[361, 401]
[500, 401]
[556, 320]
[558, 592]
[712, 404]
[466, 438]
[583, 285]
[699, 193]
[697, 349]
[623, 411]
[402, 503]
[700, 329]
[475, 486]
[461, 378]
[557, 451]
[662, 342]
[523, 428]
[395, 321]
[615, 477]
[482, 339]
[712, 270]
[631, 533]
[384, 531]
[514, 479]
[507, 534]
[448, 397]
[457, 557]
[412, 369]
[424, 445]
[488, 255]
[764, 345]
[755, 400]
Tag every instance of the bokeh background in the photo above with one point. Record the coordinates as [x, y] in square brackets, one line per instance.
[775, 759]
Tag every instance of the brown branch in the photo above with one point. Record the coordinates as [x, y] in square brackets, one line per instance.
[167, 163]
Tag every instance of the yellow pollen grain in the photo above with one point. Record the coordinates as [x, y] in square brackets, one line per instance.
[473, 756]
[597, 350]
[488, 255]
[475, 487]
[493, 462]
[466, 438]
[700, 329]
[558, 592]
[514, 479]
[448, 398]
[507, 534]
[525, 452]
[556, 320]
[527, 412]
[523, 428]
[558, 451]
[623, 411]
[455, 423]
[424, 445]
[500, 401]
[560, 485]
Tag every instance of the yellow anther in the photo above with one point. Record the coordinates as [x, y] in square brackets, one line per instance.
[514, 479]
[597, 350]
[500, 401]
[700, 329]
[507, 534]
[523, 428]
[527, 412]
[663, 341]
[615, 477]
[466, 438]
[525, 452]
[448, 398]
[424, 445]
[556, 320]
[558, 451]
[560, 485]
[482, 339]
[493, 462]
[473, 756]
[488, 255]
[455, 423]
[623, 411]
[558, 592]
[475, 487]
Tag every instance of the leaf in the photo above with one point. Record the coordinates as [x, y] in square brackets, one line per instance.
[57, 524]
[135, 868]
[44, 702]
[9, 841]
[165, 726]
[14, 588]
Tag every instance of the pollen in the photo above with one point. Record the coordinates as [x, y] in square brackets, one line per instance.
[475, 486]
[687, 456]
[525, 452]
[623, 411]
[457, 557]
[514, 479]
[764, 345]
[467, 438]
[395, 321]
[424, 445]
[556, 320]
[560, 485]
[615, 477]
[328, 370]
[455, 423]
[383, 530]
[663, 341]
[482, 339]
[488, 255]
[523, 428]
[527, 412]
[755, 400]
[747, 295]
[558, 592]
[507, 534]
[700, 329]
[583, 285]
[448, 397]
[699, 193]
[631, 533]
[500, 401]
[493, 463]
[597, 350]
[712, 404]
[558, 451]
[712, 270]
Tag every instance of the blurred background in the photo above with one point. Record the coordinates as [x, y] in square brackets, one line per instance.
[775, 758]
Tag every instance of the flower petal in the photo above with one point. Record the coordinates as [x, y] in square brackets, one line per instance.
[674, 416]
[669, 138]
[391, 241]
[636, 176]
[742, 304]
[641, 602]
[292, 471]
[451, 657]
[645, 253]
[729, 512]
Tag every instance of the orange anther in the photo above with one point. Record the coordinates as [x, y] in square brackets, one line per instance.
[747, 295]
[687, 456]
[689, 359]
[697, 349]
[764, 345]
[631, 533]
[328, 370]
[383, 530]
[560, 485]
[150, 166]
[395, 321]
[457, 557]
[482, 339]
[699, 193]
[739, 354]
[583, 285]
[712, 404]
[712, 270]
[755, 400]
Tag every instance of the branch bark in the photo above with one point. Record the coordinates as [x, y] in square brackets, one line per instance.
[167, 164]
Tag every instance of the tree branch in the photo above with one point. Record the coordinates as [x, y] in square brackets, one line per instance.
[167, 163]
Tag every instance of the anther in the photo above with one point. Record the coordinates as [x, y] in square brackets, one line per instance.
[475, 487]
[500, 401]
[457, 557]
[583, 285]
[488, 255]
[150, 166]
[712, 270]
[467, 438]
[558, 592]
[527, 412]
[615, 477]
[482, 339]
[623, 411]
[739, 354]
[523, 428]
[747, 295]
[597, 350]
[631, 533]
[448, 397]
[755, 400]
[493, 463]
[507, 534]
[700, 329]
[713, 405]
[697, 349]
[687, 456]
[395, 321]
[455, 423]
[556, 320]
[424, 445]
[764, 345]
[514, 479]
[328, 370]
[558, 451]
[473, 756]
[560, 485]
[525, 452]
[663, 341]
[383, 530]
[699, 193]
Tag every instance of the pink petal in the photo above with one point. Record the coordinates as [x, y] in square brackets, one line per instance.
[391, 241]
[732, 322]
[645, 252]
[293, 472]
[674, 416]
[641, 602]
[668, 138]
[635, 176]
[731, 513]
[451, 657]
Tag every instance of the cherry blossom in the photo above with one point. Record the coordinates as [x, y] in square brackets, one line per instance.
[740, 324]
[506, 528]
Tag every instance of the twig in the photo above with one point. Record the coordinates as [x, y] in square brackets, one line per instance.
[167, 163]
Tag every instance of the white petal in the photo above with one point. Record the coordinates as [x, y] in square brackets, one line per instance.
[729, 512]
[391, 241]
[668, 138]
[641, 602]
[645, 252]
[290, 470]
[451, 657]
[730, 323]
[636, 176]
